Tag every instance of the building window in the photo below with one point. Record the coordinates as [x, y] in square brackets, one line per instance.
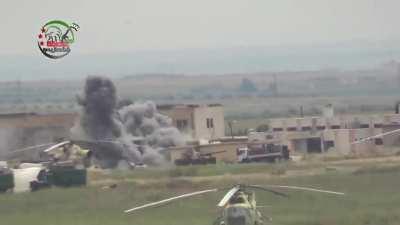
[364, 125]
[182, 124]
[306, 128]
[320, 127]
[210, 122]
[378, 125]
[329, 144]
[277, 129]
[291, 129]
[269, 136]
[335, 127]
[378, 141]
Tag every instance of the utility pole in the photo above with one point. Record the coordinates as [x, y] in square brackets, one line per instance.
[301, 112]
[398, 73]
[230, 124]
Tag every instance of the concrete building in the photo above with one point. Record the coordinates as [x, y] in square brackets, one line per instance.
[319, 134]
[19, 130]
[200, 122]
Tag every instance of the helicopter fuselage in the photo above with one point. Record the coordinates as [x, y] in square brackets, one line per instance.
[241, 210]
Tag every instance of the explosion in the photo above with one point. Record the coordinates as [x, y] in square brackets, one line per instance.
[135, 133]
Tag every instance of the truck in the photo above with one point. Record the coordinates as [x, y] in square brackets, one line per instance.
[60, 176]
[262, 152]
[193, 157]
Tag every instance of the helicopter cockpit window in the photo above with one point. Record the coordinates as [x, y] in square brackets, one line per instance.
[237, 200]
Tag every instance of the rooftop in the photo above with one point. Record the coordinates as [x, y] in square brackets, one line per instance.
[172, 106]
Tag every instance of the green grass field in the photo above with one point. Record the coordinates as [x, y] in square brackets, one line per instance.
[372, 197]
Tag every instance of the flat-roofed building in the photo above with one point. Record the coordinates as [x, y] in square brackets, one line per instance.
[200, 122]
[319, 134]
[18, 130]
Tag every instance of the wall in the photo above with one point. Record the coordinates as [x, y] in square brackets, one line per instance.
[36, 120]
[22, 130]
[200, 122]
[342, 141]
[299, 145]
[197, 115]
[181, 113]
[391, 139]
[338, 129]
[342, 121]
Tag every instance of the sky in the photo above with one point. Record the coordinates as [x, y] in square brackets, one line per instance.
[125, 37]
[134, 25]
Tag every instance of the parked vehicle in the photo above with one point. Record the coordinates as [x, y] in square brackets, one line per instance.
[193, 157]
[262, 153]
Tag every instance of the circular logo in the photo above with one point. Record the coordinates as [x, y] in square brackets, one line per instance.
[55, 38]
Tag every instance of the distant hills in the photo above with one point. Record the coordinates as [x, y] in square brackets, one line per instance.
[200, 61]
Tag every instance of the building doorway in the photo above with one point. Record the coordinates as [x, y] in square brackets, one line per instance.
[314, 145]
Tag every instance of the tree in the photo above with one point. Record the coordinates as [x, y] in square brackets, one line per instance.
[247, 85]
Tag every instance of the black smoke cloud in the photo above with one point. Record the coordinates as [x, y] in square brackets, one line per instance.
[131, 132]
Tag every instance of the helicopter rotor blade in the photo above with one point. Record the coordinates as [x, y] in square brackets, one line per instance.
[228, 196]
[51, 148]
[264, 206]
[29, 148]
[170, 199]
[56, 146]
[375, 136]
[303, 189]
[97, 141]
[269, 190]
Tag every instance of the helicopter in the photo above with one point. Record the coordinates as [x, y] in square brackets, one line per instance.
[239, 205]
[99, 150]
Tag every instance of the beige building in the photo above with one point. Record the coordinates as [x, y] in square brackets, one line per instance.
[319, 134]
[18, 130]
[200, 122]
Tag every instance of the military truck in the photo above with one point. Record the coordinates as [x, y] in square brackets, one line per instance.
[263, 152]
[194, 157]
[61, 176]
